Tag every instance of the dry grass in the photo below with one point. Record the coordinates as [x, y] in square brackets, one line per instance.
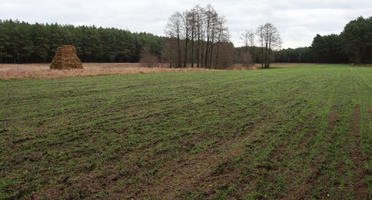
[241, 67]
[258, 66]
[24, 71]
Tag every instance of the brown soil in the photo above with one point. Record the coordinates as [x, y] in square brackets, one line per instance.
[354, 126]
[206, 170]
[332, 120]
[369, 109]
[312, 177]
[184, 173]
[360, 187]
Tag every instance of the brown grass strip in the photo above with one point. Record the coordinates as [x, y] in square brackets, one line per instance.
[42, 71]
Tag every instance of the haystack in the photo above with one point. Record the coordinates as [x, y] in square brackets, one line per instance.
[66, 58]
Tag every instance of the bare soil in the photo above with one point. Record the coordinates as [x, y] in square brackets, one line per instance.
[360, 187]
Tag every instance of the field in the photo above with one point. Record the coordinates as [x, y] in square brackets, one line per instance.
[299, 132]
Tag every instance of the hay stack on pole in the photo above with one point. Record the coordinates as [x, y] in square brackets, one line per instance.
[66, 58]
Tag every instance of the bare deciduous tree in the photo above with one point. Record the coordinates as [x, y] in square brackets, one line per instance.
[186, 32]
[248, 38]
[270, 39]
[173, 31]
[192, 21]
[223, 36]
[199, 32]
[202, 25]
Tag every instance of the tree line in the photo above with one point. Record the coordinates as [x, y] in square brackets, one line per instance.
[352, 45]
[21, 42]
[195, 38]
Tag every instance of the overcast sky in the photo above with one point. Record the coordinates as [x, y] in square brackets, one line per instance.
[298, 21]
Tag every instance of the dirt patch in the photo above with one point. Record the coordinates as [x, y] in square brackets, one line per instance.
[42, 71]
[332, 120]
[355, 120]
[369, 109]
[308, 134]
[302, 149]
[185, 173]
[312, 177]
[360, 187]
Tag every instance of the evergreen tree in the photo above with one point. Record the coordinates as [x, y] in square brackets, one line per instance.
[22, 42]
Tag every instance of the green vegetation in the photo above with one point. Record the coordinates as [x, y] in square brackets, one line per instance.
[21, 42]
[286, 133]
[354, 45]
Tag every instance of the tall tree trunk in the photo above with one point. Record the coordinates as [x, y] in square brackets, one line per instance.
[211, 56]
[217, 54]
[179, 50]
[246, 56]
[186, 47]
[206, 55]
[262, 56]
[198, 52]
[192, 40]
[207, 44]
[192, 51]
[269, 54]
[266, 52]
[211, 49]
